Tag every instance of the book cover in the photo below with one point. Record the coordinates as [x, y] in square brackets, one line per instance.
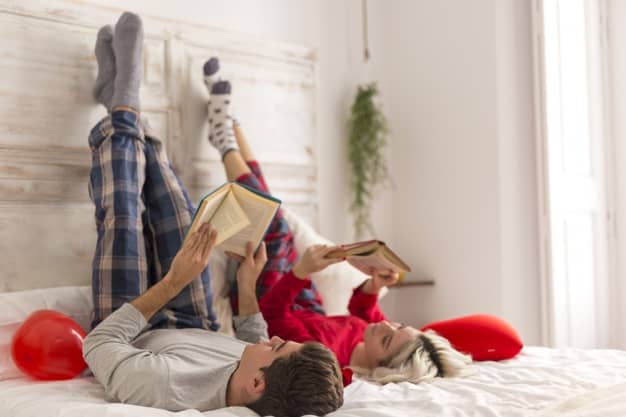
[370, 255]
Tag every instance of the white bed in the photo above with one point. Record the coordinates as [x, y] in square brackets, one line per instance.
[536, 380]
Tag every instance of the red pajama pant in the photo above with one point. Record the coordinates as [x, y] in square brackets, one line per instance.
[281, 252]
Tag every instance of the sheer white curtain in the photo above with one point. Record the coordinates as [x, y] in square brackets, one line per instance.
[574, 173]
[616, 22]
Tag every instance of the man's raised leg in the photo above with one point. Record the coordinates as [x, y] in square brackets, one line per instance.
[162, 201]
[120, 264]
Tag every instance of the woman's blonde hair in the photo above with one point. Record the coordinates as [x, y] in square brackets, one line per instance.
[421, 359]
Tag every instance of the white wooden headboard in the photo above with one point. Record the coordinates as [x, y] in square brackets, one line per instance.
[47, 69]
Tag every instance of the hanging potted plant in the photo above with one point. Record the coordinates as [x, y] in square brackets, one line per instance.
[367, 137]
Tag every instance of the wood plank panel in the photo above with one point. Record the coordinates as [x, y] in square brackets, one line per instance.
[47, 67]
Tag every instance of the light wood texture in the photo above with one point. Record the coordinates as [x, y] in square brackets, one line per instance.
[47, 68]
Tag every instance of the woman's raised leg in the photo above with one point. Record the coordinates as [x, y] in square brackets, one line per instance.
[240, 165]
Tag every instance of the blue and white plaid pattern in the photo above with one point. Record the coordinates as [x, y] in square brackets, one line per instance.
[142, 214]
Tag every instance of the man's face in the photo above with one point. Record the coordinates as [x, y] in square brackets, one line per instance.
[383, 340]
[263, 353]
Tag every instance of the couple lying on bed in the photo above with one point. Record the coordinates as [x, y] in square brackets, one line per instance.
[154, 341]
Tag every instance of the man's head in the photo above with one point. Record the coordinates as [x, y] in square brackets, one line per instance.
[287, 379]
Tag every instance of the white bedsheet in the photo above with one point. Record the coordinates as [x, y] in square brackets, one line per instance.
[602, 402]
[536, 380]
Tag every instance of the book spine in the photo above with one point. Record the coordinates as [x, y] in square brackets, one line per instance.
[259, 193]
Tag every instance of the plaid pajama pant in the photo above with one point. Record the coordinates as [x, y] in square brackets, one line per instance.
[142, 212]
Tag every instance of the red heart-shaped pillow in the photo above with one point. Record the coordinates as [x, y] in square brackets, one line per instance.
[485, 337]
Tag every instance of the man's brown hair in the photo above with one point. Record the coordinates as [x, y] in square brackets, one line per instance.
[307, 381]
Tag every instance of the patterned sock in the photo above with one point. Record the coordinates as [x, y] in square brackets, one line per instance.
[210, 69]
[128, 49]
[221, 133]
[103, 89]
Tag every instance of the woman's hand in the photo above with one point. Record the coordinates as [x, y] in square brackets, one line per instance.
[379, 280]
[314, 260]
[192, 258]
[250, 267]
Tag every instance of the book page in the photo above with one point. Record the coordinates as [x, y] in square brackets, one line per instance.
[260, 211]
[229, 219]
[208, 207]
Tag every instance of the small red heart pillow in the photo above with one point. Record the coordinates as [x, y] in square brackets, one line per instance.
[485, 337]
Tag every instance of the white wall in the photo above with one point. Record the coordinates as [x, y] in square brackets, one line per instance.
[333, 28]
[458, 81]
[519, 236]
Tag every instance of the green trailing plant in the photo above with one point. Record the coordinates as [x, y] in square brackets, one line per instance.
[367, 137]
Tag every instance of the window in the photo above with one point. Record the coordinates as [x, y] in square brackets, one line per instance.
[569, 65]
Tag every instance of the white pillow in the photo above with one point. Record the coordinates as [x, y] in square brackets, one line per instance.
[335, 283]
[17, 306]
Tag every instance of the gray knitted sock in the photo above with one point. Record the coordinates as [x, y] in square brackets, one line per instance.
[103, 89]
[220, 123]
[128, 49]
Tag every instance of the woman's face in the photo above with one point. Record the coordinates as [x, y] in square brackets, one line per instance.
[383, 340]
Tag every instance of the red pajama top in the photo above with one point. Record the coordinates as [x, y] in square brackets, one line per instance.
[340, 334]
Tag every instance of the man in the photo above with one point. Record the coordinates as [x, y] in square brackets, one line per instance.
[154, 341]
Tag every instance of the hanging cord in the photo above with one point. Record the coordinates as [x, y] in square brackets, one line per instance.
[366, 50]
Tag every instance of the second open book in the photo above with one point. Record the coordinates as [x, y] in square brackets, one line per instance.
[370, 255]
[238, 213]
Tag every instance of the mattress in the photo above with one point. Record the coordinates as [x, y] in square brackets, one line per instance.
[536, 380]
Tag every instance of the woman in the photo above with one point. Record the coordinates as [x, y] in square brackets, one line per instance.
[364, 340]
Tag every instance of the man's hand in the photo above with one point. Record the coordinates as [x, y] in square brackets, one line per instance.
[247, 275]
[314, 260]
[379, 280]
[192, 258]
[188, 263]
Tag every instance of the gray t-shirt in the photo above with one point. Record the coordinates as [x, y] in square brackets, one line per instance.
[173, 369]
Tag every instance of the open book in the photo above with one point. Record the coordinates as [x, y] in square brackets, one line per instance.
[371, 255]
[238, 213]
